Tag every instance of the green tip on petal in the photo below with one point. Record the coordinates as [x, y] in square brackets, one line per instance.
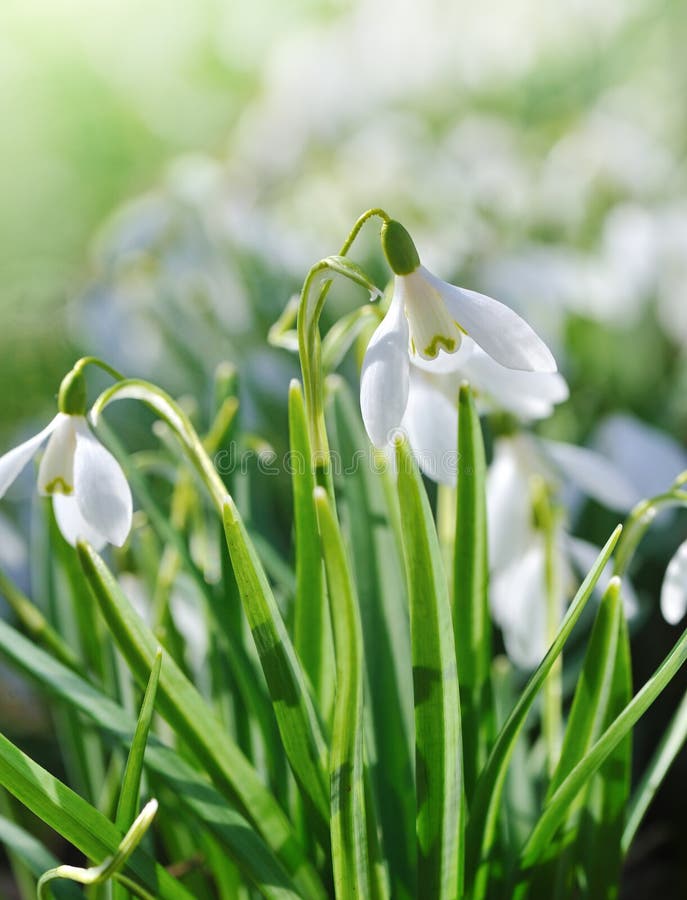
[71, 398]
[399, 248]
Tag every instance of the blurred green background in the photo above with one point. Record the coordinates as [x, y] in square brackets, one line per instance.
[169, 171]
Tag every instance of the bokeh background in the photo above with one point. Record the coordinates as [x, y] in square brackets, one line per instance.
[170, 169]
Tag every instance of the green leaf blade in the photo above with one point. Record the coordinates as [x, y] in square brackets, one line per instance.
[348, 815]
[471, 614]
[439, 781]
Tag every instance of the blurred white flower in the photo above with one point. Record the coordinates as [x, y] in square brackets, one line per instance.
[674, 589]
[517, 556]
[91, 497]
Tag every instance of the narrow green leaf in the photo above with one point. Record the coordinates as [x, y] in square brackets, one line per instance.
[599, 843]
[312, 625]
[350, 858]
[367, 510]
[481, 831]
[189, 787]
[556, 808]
[131, 784]
[438, 753]
[592, 694]
[77, 821]
[188, 714]
[601, 693]
[298, 724]
[471, 615]
[26, 848]
[672, 742]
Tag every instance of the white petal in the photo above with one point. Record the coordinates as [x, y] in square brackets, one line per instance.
[433, 330]
[509, 506]
[12, 462]
[529, 395]
[629, 443]
[518, 604]
[594, 474]
[448, 362]
[56, 471]
[496, 328]
[384, 376]
[100, 488]
[431, 423]
[72, 524]
[674, 590]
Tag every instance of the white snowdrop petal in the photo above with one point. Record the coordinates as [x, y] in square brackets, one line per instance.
[433, 330]
[431, 423]
[594, 474]
[497, 329]
[518, 604]
[12, 462]
[56, 470]
[73, 525]
[100, 487]
[528, 395]
[384, 376]
[509, 506]
[674, 589]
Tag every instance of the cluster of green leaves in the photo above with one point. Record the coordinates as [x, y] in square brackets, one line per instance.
[350, 733]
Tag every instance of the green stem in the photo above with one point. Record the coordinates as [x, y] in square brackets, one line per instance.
[639, 521]
[309, 341]
[81, 364]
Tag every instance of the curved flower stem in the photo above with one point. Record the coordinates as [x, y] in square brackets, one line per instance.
[309, 341]
[111, 867]
[171, 413]
[639, 521]
[81, 364]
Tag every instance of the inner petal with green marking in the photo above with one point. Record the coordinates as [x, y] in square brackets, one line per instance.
[431, 326]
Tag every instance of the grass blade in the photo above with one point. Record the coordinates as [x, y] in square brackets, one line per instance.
[189, 715]
[131, 784]
[439, 787]
[32, 854]
[481, 831]
[672, 742]
[556, 809]
[377, 565]
[77, 821]
[312, 625]
[348, 822]
[190, 789]
[298, 723]
[471, 615]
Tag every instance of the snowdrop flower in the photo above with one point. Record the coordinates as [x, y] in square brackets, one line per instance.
[517, 557]
[426, 324]
[431, 415]
[91, 497]
[674, 589]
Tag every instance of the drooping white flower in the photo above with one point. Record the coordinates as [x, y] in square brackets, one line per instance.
[426, 323]
[91, 497]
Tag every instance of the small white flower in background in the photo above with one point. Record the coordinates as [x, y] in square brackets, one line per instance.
[516, 547]
[674, 589]
[90, 494]
[426, 323]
